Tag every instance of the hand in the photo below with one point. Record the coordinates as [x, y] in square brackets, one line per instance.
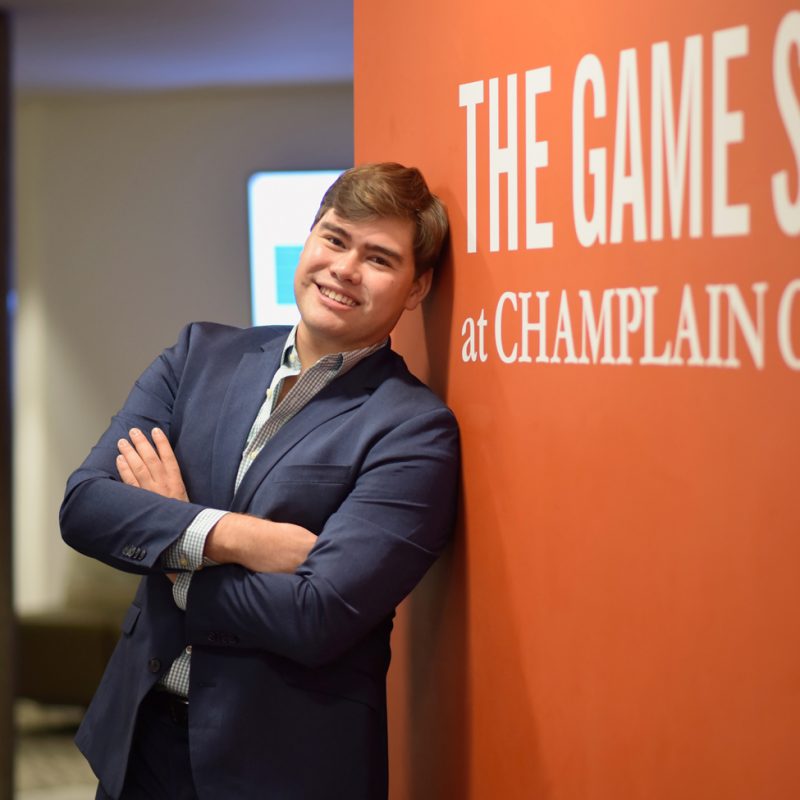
[155, 469]
[258, 544]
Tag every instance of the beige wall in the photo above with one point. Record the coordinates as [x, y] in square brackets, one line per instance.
[131, 221]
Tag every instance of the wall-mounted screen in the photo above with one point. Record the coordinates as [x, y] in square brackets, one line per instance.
[281, 208]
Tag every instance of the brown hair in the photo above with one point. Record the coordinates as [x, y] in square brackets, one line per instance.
[392, 190]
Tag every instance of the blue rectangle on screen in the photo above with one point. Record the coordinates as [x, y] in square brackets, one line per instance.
[286, 258]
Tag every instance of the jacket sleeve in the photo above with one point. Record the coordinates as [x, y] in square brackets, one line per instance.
[124, 526]
[370, 554]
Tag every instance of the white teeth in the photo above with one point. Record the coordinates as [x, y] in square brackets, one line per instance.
[339, 298]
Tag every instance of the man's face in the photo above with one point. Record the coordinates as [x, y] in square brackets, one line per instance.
[353, 282]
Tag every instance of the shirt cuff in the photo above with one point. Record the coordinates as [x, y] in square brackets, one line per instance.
[187, 552]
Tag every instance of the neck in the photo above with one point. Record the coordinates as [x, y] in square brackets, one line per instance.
[309, 349]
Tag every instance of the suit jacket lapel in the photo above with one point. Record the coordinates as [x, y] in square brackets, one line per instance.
[246, 392]
[338, 397]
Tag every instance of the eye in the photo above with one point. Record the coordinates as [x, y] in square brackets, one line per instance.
[333, 240]
[380, 261]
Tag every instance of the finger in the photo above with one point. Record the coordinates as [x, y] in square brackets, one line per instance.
[134, 461]
[170, 465]
[146, 452]
[165, 453]
[125, 472]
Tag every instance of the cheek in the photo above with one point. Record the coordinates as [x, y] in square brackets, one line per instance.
[396, 294]
[306, 264]
[301, 275]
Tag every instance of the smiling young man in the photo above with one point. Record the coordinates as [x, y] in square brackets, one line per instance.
[280, 491]
[354, 280]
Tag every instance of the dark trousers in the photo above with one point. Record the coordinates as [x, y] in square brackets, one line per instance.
[159, 767]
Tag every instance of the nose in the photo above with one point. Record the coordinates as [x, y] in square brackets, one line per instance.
[346, 267]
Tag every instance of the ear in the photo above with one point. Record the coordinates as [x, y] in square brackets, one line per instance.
[419, 289]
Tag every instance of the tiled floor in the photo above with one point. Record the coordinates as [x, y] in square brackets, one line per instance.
[48, 765]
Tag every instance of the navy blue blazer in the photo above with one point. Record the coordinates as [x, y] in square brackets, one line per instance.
[287, 695]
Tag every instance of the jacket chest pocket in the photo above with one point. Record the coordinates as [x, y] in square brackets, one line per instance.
[304, 494]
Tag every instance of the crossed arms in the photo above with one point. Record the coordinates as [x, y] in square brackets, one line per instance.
[260, 545]
[380, 522]
[281, 588]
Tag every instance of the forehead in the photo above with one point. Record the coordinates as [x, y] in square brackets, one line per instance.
[397, 231]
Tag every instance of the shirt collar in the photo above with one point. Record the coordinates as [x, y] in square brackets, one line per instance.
[338, 363]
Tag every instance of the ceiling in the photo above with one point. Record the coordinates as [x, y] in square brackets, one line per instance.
[91, 45]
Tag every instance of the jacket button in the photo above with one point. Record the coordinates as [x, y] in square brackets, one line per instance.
[154, 665]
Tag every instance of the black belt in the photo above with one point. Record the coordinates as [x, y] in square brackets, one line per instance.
[170, 705]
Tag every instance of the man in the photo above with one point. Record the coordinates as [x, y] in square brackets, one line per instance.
[281, 491]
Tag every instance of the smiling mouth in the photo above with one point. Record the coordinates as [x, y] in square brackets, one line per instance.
[331, 294]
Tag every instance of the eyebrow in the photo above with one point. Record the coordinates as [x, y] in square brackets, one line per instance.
[373, 248]
[338, 230]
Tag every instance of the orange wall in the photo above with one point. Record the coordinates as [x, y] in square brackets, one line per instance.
[619, 615]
